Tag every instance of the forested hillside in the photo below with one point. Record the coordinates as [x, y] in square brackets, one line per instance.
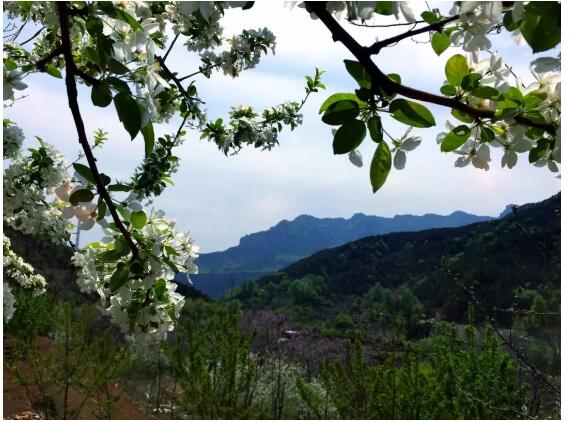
[439, 266]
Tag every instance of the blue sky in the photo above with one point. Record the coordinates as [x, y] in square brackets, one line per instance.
[219, 199]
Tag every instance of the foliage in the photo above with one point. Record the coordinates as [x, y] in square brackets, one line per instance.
[79, 359]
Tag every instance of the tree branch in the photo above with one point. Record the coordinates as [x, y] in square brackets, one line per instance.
[78, 120]
[376, 47]
[381, 80]
[42, 62]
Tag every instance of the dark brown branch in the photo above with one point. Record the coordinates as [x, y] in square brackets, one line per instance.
[381, 80]
[78, 120]
[41, 63]
[376, 47]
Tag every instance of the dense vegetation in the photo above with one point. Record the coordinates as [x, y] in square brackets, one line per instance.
[289, 241]
[386, 353]
[440, 267]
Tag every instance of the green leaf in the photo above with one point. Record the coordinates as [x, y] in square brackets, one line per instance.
[338, 97]
[119, 187]
[119, 277]
[129, 113]
[384, 8]
[539, 151]
[455, 138]
[138, 219]
[375, 129]
[487, 134]
[463, 117]
[349, 136]
[84, 172]
[53, 71]
[81, 195]
[358, 72]
[10, 64]
[411, 113]
[119, 85]
[514, 94]
[101, 209]
[485, 92]
[380, 166]
[341, 112]
[448, 90]
[533, 99]
[101, 95]
[117, 67]
[440, 42]
[109, 9]
[470, 81]
[149, 137]
[456, 68]
[430, 17]
[541, 25]
[160, 289]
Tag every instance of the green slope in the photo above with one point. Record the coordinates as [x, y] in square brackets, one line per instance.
[521, 250]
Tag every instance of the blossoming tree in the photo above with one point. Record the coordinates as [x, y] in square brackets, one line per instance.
[120, 50]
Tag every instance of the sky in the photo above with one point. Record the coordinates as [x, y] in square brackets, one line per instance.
[220, 199]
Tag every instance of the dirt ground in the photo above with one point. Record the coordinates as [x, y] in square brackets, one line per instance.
[17, 404]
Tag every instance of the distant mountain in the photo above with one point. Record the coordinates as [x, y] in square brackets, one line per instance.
[521, 250]
[289, 241]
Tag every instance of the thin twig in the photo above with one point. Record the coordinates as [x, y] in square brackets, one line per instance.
[78, 120]
[34, 36]
[171, 46]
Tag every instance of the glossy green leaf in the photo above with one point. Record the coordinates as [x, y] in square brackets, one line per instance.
[411, 113]
[375, 129]
[485, 92]
[349, 136]
[470, 81]
[456, 68]
[380, 166]
[81, 195]
[448, 90]
[440, 42]
[455, 138]
[358, 72]
[84, 172]
[101, 95]
[138, 219]
[119, 277]
[129, 113]
[341, 112]
[338, 97]
[53, 71]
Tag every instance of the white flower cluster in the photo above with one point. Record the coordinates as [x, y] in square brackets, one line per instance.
[136, 291]
[12, 137]
[363, 10]
[22, 274]
[28, 182]
[476, 18]
[245, 52]
[12, 81]
[8, 302]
